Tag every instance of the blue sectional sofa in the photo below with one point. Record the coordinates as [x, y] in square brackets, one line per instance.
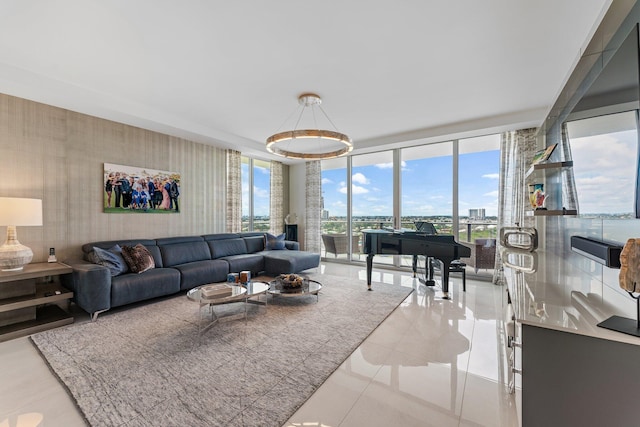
[181, 263]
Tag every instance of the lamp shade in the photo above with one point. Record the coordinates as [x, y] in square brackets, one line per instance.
[20, 212]
[14, 212]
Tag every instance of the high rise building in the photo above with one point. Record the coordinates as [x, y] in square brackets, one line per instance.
[476, 213]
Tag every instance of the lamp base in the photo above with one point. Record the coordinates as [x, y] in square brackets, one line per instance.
[14, 255]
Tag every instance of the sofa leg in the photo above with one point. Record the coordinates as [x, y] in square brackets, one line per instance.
[94, 316]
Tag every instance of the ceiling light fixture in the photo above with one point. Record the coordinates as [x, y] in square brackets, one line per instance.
[309, 144]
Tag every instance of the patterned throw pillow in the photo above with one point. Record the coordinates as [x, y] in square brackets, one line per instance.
[273, 243]
[111, 259]
[138, 258]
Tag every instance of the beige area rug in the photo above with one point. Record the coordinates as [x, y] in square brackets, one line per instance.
[146, 366]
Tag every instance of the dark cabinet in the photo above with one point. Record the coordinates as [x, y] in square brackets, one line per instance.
[291, 232]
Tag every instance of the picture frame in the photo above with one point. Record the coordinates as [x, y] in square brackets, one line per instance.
[131, 189]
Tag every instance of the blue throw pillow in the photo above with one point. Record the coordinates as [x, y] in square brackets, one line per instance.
[274, 243]
[111, 259]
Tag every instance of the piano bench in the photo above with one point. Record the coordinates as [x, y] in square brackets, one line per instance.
[458, 266]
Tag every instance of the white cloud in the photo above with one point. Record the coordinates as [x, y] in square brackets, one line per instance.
[260, 192]
[389, 165]
[264, 171]
[326, 181]
[359, 178]
[491, 175]
[605, 169]
[493, 194]
[355, 189]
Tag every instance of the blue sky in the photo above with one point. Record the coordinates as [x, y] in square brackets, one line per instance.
[426, 186]
[261, 189]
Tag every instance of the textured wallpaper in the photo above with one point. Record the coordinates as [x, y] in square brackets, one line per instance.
[57, 155]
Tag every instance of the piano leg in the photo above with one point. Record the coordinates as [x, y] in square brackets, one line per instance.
[414, 265]
[430, 280]
[369, 268]
[445, 278]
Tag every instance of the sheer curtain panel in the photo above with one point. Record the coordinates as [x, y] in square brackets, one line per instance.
[516, 152]
[313, 206]
[234, 192]
[276, 206]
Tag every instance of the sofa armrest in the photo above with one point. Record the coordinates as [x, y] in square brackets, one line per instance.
[292, 245]
[91, 285]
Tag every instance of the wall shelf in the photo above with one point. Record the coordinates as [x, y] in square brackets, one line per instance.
[551, 175]
[552, 212]
[551, 165]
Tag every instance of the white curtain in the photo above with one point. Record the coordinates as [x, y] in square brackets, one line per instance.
[516, 152]
[276, 206]
[234, 191]
[313, 206]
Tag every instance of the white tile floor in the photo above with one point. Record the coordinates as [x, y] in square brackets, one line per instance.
[433, 362]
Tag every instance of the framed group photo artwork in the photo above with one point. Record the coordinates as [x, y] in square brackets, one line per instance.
[129, 189]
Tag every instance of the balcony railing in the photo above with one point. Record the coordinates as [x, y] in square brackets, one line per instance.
[468, 230]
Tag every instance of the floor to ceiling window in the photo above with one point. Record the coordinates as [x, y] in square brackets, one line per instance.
[452, 185]
[478, 186]
[334, 208]
[372, 192]
[255, 177]
[427, 186]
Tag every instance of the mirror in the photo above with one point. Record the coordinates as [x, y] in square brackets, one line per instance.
[602, 129]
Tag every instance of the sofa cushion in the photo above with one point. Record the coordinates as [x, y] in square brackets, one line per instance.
[250, 262]
[274, 242]
[138, 258]
[254, 243]
[182, 253]
[149, 244]
[129, 288]
[180, 239]
[111, 259]
[221, 236]
[202, 272]
[280, 262]
[227, 247]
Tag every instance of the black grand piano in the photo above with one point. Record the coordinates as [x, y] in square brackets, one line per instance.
[441, 247]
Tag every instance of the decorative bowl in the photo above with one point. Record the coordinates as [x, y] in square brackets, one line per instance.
[290, 281]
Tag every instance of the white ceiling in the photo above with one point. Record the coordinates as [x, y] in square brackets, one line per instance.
[229, 72]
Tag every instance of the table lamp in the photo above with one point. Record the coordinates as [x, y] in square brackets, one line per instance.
[13, 212]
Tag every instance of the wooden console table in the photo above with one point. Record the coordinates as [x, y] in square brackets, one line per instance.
[28, 299]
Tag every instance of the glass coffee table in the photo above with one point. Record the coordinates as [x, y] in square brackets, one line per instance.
[237, 293]
[309, 287]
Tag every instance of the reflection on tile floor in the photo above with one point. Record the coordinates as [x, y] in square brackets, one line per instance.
[432, 362]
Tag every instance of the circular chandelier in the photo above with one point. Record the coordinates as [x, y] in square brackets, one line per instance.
[309, 144]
